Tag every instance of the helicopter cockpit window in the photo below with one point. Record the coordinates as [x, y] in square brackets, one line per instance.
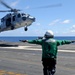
[19, 15]
[24, 18]
[23, 14]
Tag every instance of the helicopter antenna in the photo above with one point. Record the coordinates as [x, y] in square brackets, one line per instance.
[7, 6]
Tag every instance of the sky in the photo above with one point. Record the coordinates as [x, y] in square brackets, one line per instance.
[59, 19]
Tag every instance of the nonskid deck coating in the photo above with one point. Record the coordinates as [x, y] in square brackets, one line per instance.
[3, 72]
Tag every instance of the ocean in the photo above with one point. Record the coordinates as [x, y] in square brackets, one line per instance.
[16, 39]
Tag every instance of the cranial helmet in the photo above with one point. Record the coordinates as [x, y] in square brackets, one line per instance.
[49, 34]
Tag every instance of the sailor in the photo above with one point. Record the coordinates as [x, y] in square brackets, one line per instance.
[49, 51]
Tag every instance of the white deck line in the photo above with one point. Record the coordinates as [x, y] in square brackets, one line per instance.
[29, 48]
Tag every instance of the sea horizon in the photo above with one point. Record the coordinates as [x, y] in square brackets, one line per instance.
[17, 38]
[36, 36]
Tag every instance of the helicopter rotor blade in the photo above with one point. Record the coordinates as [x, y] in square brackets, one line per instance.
[14, 10]
[6, 5]
[48, 6]
[5, 10]
[11, 9]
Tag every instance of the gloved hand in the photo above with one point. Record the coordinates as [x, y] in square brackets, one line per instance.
[24, 40]
[73, 41]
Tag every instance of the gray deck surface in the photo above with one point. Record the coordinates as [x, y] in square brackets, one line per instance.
[28, 62]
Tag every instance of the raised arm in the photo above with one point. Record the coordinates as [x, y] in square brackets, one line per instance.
[33, 41]
[62, 42]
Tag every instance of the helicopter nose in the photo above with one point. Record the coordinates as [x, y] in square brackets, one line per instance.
[32, 18]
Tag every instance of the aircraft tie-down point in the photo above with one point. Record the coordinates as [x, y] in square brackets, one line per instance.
[14, 19]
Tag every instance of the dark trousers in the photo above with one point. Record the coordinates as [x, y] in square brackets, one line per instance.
[49, 66]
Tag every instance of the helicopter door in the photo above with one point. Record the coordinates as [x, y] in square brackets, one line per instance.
[8, 22]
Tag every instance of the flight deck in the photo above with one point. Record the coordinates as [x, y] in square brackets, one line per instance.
[25, 59]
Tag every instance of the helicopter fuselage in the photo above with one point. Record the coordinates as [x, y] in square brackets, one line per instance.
[15, 20]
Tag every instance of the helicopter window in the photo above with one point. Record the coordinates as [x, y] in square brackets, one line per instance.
[10, 14]
[13, 18]
[23, 14]
[2, 19]
[24, 18]
[19, 15]
[8, 22]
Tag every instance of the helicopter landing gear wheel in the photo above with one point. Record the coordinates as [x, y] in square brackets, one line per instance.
[26, 29]
[12, 27]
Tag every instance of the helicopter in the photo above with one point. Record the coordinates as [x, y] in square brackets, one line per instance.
[15, 19]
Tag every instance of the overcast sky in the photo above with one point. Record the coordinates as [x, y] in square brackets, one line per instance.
[59, 19]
